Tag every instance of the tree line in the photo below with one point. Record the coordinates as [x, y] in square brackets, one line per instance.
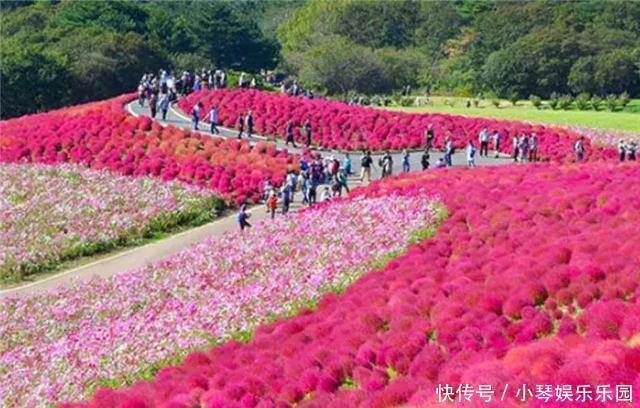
[59, 53]
[55, 53]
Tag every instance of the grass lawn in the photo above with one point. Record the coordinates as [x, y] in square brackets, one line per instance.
[627, 120]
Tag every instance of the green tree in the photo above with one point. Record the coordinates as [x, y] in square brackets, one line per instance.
[118, 16]
[378, 24]
[610, 72]
[229, 39]
[33, 79]
[339, 66]
[107, 64]
[510, 72]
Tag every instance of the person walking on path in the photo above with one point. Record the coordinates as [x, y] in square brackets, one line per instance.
[632, 148]
[471, 154]
[622, 150]
[196, 115]
[267, 190]
[288, 131]
[286, 198]
[313, 191]
[516, 147]
[448, 151]
[406, 166]
[141, 92]
[533, 148]
[425, 159]
[365, 167]
[342, 182]
[272, 204]
[334, 166]
[213, 118]
[429, 135]
[164, 105]
[579, 149]
[249, 123]
[240, 125]
[524, 148]
[153, 105]
[496, 143]
[483, 138]
[307, 131]
[243, 216]
[292, 181]
[387, 165]
[347, 164]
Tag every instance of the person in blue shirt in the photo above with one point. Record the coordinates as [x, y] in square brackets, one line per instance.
[347, 164]
[243, 216]
[406, 166]
[164, 105]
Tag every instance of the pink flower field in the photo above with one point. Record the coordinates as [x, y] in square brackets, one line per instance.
[115, 328]
[530, 288]
[101, 135]
[340, 126]
[507, 286]
[54, 213]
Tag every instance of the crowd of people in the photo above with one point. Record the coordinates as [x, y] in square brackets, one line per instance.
[627, 150]
[162, 88]
[324, 178]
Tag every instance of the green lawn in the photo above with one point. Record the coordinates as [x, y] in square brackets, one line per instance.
[627, 120]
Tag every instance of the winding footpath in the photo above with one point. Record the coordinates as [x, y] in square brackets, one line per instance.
[179, 119]
[153, 252]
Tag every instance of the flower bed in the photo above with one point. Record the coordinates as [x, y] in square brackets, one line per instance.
[53, 213]
[109, 329]
[533, 279]
[338, 125]
[102, 136]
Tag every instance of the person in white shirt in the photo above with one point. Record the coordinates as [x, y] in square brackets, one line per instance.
[471, 154]
[213, 119]
[483, 138]
[496, 143]
[533, 148]
[579, 149]
[326, 194]
[622, 150]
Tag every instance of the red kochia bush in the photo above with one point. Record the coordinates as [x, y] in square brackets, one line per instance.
[450, 312]
[341, 126]
[102, 136]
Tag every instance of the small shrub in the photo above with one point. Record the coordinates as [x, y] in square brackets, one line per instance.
[595, 102]
[565, 101]
[582, 101]
[554, 101]
[406, 101]
[612, 102]
[476, 102]
[535, 101]
[513, 98]
[450, 102]
[377, 100]
[495, 102]
[624, 99]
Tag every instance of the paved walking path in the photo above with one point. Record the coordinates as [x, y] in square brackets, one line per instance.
[179, 119]
[140, 256]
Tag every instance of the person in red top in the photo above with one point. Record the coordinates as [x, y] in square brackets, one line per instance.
[272, 204]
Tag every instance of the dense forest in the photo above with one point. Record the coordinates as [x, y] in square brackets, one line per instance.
[55, 53]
